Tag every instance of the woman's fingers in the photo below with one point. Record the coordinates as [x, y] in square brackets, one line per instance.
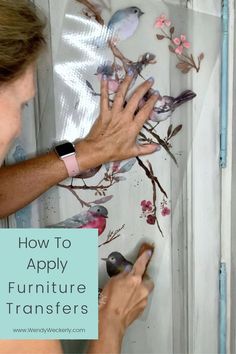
[136, 311]
[149, 285]
[104, 103]
[119, 101]
[147, 149]
[141, 296]
[137, 96]
[144, 114]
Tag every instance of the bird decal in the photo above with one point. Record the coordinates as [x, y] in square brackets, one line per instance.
[94, 218]
[166, 105]
[124, 23]
[116, 264]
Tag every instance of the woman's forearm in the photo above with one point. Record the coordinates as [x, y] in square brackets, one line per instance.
[30, 347]
[22, 183]
[110, 337]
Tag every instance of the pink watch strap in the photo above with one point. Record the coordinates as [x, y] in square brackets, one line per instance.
[71, 165]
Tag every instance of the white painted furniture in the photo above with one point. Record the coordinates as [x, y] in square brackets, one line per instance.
[183, 317]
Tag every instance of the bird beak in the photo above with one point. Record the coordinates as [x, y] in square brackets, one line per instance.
[104, 259]
[142, 13]
[106, 216]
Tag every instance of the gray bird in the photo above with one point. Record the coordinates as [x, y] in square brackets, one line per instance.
[116, 264]
[166, 105]
[124, 22]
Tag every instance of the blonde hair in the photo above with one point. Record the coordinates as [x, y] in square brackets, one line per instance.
[21, 38]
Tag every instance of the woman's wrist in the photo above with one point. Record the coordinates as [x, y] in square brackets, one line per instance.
[110, 336]
[90, 155]
[111, 324]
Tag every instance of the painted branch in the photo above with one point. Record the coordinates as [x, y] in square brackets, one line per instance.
[162, 143]
[155, 198]
[150, 176]
[86, 187]
[93, 9]
[117, 53]
[69, 188]
[112, 236]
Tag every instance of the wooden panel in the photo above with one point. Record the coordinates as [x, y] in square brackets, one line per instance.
[230, 249]
[205, 243]
[185, 307]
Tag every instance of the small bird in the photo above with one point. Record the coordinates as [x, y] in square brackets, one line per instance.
[124, 23]
[116, 264]
[166, 105]
[94, 218]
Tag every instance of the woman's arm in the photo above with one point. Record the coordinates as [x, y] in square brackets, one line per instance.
[112, 138]
[110, 338]
[22, 183]
[30, 347]
[124, 299]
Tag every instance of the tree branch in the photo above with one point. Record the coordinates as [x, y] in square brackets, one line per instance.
[93, 9]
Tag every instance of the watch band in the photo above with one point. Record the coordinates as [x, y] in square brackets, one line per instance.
[66, 152]
[71, 165]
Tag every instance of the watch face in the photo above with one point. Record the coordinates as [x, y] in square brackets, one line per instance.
[65, 149]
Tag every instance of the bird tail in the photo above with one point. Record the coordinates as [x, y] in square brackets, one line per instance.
[185, 96]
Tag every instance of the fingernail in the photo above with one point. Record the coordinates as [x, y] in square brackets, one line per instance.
[104, 77]
[158, 147]
[156, 93]
[127, 269]
[151, 79]
[149, 253]
[130, 72]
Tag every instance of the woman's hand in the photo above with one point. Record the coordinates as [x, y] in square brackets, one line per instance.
[125, 296]
[123, 299]
[113, 137]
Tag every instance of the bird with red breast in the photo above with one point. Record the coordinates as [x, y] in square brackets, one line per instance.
[94, 218]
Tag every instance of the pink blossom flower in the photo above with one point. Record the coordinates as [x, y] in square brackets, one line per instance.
[146, 205]
[165, 211]
[151, 219]
[177, 41]
[181, 44]
[179, 50]
[115, 166]
[162, 21]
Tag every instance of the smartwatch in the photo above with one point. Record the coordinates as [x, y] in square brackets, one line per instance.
[66, 152]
